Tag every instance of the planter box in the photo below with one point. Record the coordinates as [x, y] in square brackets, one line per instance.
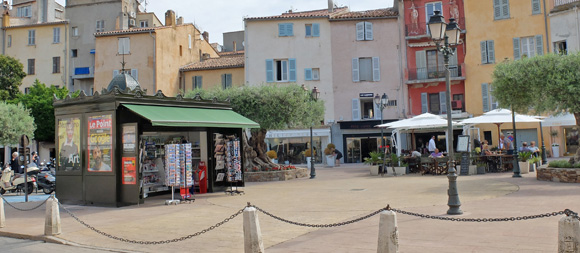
[398, 170]
[524, 167]
[472, 170]
[564, 175]
[480, 169]
[330, 160]
[374, 170]
[279, 175]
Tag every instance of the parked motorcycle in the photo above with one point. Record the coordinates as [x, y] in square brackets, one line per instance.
[46, 182]
[13, 183]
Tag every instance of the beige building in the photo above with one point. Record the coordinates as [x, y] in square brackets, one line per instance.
[225, 72]
[35, 33]
[153, 55]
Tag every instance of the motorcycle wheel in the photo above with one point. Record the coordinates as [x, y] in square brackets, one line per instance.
[2, 191]
[47, 190]
[30, 188]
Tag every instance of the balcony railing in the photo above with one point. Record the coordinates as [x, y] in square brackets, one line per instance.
[562, 2]
[433, 73]
[420, 29]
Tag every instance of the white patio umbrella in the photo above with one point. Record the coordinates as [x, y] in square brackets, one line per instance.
[425, 120]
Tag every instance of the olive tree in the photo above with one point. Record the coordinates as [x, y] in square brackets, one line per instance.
[15, 120]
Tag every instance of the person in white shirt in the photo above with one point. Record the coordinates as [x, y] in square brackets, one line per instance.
[416, 153]
[432, 146]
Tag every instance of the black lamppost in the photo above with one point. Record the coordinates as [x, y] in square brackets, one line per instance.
[446, 37]
[381, 102]
[314, 95]
[516, 165]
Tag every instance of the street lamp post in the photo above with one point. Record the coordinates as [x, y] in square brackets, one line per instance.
[446, 37]
[381, 102]
[544, 160]
[314, 95]
[516, 170]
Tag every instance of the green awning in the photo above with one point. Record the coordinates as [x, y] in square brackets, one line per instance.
[191, 117]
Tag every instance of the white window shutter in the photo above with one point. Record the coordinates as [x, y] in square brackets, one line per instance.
[485, 97]
[539, 45]
[115, 73]
[368, 31]
[360, 31]
[308, 74]
[421, 64]
[377, 111]
[355, 72]
[517, 53]
[127, 46]
[424, 103]
[316, 74]
[376, 69]
[135, 74]
[483, 49]
[442, 102]
[355, 109]
[490, 51]
[269, 70]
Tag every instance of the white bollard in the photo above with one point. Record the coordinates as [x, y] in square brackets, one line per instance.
[2, 216]
[252, 235]
[388, 233]
[52, 221]
[569, 235]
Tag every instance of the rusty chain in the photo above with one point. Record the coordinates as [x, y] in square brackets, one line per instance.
[23, 209]
[151, 242]
[568, 212]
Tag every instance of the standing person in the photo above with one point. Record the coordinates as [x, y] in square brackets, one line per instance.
[338, 156]
[14, 164]
[35, 158]
[506, 144]
[432, 145]
[97, 160]
[69, 150]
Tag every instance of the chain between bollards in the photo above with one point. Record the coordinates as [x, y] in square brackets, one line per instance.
[23, 209]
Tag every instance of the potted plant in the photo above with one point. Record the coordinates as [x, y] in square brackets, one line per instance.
[480, 165]
[329, 153]
[534, 161]
[272, 155]
[308, 154]
[373, 160]
[524, 156]
[396, 169]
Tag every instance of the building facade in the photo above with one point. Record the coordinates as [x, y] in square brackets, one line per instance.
[225, 72]
[564, 27]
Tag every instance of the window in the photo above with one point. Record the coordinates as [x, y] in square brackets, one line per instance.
[364, 31]
[536, 9]
[189, 40]
[312, 30]
[197, 82]
[487, 137]
[366, 69]
[124, 46]
[459, 102]
[135, 74]
[100, 27]
[368, 108]
[433, 103]
[312, 74]
[489, 102]
[226, 81]
[24, 12]
[58, 14]
[56, 35]
[143, 23]
[365, 108]
[560, 47]
[75, 31]
[180, 50]
[501, 9]
[31, 37]
[528, 46]
[9, 40]
[55, 65]
[430, 9]
[283, 70]
[487, 51]
[73, 53]
[27, 90]
[285, 30]
[31, 68]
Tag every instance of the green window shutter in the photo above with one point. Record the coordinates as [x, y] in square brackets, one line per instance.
[485, 97]
[517, 53]
[292, 67]
[424, 103]
[355, 72]
[497, 9]
[442, 102]
[316, 30]
[490, 51]
[483, 49]
[536, 9]
[539, 45]
[421, 64]
[308, 74]
[269, 70]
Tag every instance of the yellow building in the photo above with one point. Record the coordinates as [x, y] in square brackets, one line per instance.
[153, 55]
[225, 72]
[498, 31]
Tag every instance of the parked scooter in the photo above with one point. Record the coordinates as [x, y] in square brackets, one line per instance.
[46, 182]
[9, 182]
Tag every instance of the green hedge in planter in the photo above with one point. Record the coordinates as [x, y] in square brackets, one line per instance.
[562, 164]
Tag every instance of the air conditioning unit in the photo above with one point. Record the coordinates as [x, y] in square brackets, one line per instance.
[132, 23]
[456, 104]
[132, 14]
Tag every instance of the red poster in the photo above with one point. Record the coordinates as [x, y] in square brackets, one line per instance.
[129, 170]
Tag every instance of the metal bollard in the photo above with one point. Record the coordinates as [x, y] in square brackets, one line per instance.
[2, 216]
[388, 233]
[252, 234]
[569, 235]
[52, 221]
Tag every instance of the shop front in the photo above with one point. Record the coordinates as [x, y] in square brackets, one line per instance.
[358, 138]
[291, 144]
[119, 147]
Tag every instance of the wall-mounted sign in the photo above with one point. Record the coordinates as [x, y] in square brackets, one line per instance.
[366, 95]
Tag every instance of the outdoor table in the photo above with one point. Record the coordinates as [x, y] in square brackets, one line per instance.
[497, 162]
[414, 163]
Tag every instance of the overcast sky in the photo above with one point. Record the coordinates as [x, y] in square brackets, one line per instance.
[219, 16]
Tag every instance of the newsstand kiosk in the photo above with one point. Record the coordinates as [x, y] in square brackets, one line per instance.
[118, 147]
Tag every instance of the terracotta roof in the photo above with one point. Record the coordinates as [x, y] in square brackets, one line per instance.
[303, 14]
[379, 13]
[216, 63]
[37, 24]
[135, 30]
[231, 54]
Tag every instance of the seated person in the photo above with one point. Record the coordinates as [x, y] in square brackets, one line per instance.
[436, 154]
[535, 150]
[485, 149]
[524, 147]
[416, 153]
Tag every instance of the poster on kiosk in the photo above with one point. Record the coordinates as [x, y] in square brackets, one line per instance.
[99, 143]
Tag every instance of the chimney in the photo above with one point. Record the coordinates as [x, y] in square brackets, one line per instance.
[205, 56]
[180, 21]
[205, 36]
[235, 48]
[330, 6]
[170, 18]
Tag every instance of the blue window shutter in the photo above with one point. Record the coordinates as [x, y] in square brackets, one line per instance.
[281, 30]
[421, 64]
[497, 9]
[485, 97]
[536, 7]
[292, 67]
[200, 82]
[483, 49]
[269, 70]
[376, 69]
[505, 8]
[424, 103]
[517, 53]
[290, 29]
[355, 72]
[229, 80]
[490, 51]
[224, 81]
[539, 45]
[316, 30]
[308, 74]
[442, 102]
[355, 109]
[368, 31]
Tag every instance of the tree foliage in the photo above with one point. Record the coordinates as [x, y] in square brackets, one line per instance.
[39, 101]
[11, 74]
[15, 120]
[273, 107]
[548, 83]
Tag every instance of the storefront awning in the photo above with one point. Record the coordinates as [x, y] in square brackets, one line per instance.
[191, 117]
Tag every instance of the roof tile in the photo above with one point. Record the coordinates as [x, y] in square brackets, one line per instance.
[216, 63]
[303, 14]
[378, 13]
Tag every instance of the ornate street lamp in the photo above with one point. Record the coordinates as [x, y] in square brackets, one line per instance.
[381, 102]
[446, 37]
[314, 95]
